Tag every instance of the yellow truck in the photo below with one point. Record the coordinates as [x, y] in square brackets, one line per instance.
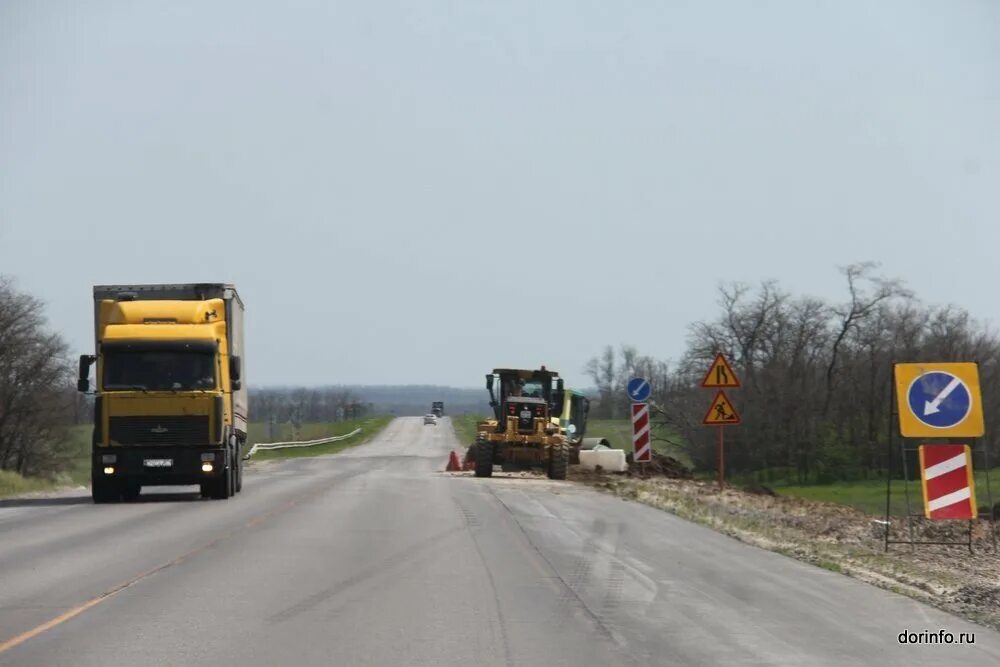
[170, 403]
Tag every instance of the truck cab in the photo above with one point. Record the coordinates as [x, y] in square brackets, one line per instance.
[170, 401]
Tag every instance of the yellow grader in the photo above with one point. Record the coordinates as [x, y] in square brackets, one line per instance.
[523, 433]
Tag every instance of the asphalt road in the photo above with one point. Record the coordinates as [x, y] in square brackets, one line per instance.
[375, 557]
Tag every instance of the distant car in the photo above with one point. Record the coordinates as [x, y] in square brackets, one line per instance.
[430, 419]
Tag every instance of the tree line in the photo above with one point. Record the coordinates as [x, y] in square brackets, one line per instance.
[301, 405]
[816, 375]
[38, 399]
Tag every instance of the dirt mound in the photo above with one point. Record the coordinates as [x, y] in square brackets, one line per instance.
[660, 466]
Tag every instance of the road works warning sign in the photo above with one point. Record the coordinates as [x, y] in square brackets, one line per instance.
[720, 374]
[939, 400]
[721, 412]
[946, 476]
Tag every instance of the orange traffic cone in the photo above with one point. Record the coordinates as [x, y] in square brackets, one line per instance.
[453, 465]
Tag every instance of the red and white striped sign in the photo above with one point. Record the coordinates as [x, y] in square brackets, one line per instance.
[641, 438]
[946, 475]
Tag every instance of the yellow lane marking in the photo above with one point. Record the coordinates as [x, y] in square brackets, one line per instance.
[76, 611]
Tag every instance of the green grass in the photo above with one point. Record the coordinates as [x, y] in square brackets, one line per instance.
[75, 461]
[619, 433]
[869, 495]
[12, 484]
[74, 464]
[465, 427]
[260, 432]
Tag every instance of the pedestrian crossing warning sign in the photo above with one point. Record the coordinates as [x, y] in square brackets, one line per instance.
[721, 412]
[720, 374]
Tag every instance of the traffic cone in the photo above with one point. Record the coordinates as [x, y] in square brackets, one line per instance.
[453, 465]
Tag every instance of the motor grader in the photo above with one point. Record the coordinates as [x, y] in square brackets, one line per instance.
[522, 433]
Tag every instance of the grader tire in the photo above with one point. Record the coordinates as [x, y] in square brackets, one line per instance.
[558, 461]
[484, 458]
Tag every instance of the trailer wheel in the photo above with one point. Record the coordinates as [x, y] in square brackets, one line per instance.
[239, 466]
[484, 458]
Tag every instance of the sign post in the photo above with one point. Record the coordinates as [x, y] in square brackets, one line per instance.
[642, 444]
[721, 412]
[638, 390]
[936, 401]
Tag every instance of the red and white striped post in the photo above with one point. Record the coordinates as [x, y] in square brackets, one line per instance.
[641, 436]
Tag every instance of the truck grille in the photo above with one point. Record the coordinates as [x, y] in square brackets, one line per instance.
[169, 430]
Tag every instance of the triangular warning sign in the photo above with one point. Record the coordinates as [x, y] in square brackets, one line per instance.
[720, 374]
[721, 412]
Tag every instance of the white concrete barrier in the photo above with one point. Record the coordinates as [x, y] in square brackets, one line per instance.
[612, 460]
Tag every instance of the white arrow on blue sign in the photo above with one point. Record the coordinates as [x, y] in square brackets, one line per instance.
[638, 389]
[939, 399]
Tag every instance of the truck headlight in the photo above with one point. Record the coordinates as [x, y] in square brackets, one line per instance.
[109, 470]
[206, 467]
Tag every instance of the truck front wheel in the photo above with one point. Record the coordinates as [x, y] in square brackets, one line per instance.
[104, 491]
[221, 487]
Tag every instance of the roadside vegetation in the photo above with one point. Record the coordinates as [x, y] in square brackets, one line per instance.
[465, 427]
[869, 496]
[618, 432]
[39, 403]
[815, 376]
[260, 432]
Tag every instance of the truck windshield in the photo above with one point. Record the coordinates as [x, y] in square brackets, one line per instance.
[153, 370]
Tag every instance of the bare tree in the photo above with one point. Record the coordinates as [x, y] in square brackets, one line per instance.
[35, 376]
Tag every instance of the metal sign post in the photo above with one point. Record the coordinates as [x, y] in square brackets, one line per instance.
[721, 412]
[639, 390]
[934, 401]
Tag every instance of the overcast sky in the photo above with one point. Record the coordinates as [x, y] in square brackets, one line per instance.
[418, 192]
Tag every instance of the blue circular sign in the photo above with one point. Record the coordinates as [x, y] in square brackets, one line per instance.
[638, 389]
[939, 399]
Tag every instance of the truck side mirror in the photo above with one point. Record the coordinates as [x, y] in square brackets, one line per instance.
[83, 383]
[559, 385]
[234, 369]
[489, 382]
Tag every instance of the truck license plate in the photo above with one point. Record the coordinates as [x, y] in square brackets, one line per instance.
[158, 463]
[525, 414]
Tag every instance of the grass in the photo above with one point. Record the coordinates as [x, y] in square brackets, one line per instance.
[869, 495]
[260, 432]
[465, 427]
[75, 462]
[12, 484]
[619, 433]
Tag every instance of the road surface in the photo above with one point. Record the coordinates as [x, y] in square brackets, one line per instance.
[375, 557]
